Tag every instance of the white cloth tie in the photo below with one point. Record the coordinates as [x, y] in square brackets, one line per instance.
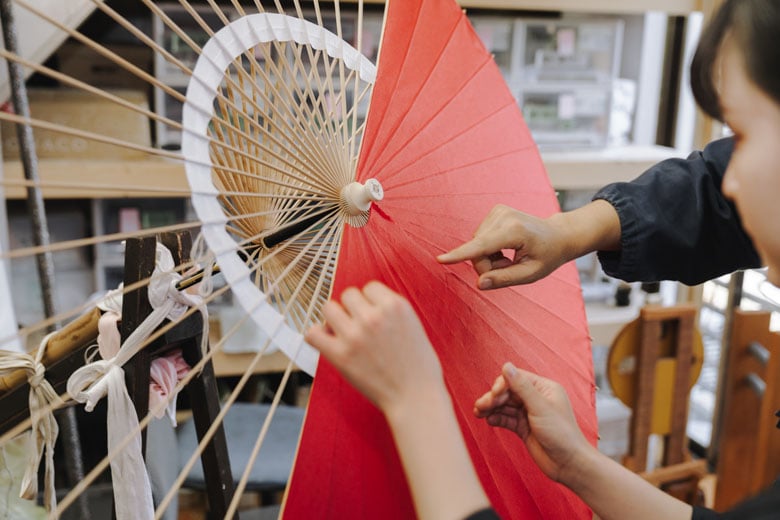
[92, 382]
[44, 429]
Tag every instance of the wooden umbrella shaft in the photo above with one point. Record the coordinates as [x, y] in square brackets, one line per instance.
[270, 241]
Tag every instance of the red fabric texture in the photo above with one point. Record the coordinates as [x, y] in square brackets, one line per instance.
[447, 141]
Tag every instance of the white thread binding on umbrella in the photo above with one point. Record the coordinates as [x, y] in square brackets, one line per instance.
[219, 52]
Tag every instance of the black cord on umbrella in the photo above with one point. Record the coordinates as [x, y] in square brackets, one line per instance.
[269, 241]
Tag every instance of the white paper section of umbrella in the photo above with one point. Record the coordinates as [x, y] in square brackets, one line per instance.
[226, 45]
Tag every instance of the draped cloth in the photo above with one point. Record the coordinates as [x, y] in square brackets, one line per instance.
[44, 430]
[105, 378]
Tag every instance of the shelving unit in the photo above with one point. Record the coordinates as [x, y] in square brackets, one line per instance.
[671, 7]
[580, 170]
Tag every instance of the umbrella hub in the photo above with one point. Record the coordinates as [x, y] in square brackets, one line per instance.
[356, 198]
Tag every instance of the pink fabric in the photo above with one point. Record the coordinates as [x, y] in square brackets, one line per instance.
[165, 373]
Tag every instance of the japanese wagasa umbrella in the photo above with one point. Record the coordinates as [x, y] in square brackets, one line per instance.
[445, 141]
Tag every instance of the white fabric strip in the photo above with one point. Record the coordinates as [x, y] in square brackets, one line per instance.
[105, 377]
[44, 429]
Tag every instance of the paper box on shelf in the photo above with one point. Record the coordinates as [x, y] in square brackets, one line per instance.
[83, 63]
[75, 109]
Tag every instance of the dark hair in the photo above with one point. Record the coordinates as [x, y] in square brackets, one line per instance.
[755, 24]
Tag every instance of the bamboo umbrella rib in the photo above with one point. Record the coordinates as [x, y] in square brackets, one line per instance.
[337, 100]
[209, 434]
[76, 83]
[340, 35]
[137, 33]
[299, 117]
[295, 117]
[72, 244]
[398, 170]
[297, 62]
[72, 312]
[359, 42]
[303, 116]
[118, 59]
[46, 125]
[298, 65]
[261, 437]
[100, 49]
[111, 189]
[104, 95]
[325, 59]
[64, 316]
[288, 107]
[115, 237]
[75, 311]
[110, 97]
[325, 56]
[281, 125]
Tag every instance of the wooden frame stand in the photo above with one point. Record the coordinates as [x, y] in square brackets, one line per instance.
[749, 450]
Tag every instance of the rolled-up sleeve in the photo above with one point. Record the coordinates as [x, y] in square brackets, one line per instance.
[676, 224]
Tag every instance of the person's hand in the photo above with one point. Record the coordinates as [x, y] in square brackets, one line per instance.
[375, 339]
[538, 411]
[539, 247]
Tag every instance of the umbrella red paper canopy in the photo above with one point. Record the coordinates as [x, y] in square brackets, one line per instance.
[447, 141]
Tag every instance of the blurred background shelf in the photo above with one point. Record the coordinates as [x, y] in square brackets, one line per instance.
[69, 178]
[592, 169]
[72, 178]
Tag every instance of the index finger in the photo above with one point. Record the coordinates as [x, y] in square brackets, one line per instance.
[467, 251]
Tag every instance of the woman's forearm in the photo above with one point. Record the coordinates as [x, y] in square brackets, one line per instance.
[616, 493]
[592, 227]
[441, 476]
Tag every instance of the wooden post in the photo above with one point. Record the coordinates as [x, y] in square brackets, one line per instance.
[749, 448]
[139, 265]
[662, 382]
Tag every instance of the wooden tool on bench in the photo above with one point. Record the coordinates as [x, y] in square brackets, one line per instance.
[652, 365]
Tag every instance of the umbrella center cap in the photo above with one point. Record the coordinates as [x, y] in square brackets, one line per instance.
[357, 197]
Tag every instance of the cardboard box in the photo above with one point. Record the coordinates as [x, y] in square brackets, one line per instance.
[80, 62]
[83, 111]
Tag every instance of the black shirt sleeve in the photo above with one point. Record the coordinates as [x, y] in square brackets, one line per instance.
[765, 506]
[676, 224]
[483, 514]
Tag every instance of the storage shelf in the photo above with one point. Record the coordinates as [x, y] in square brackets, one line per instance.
[672, 7]
[69, 179]
[592, 169]
[97, 179]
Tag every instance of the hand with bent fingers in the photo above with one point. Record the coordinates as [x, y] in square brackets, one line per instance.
[538, 411]
[538, 244]
[375, 339]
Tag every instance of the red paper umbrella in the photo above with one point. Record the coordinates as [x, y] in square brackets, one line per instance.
[447, 141]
